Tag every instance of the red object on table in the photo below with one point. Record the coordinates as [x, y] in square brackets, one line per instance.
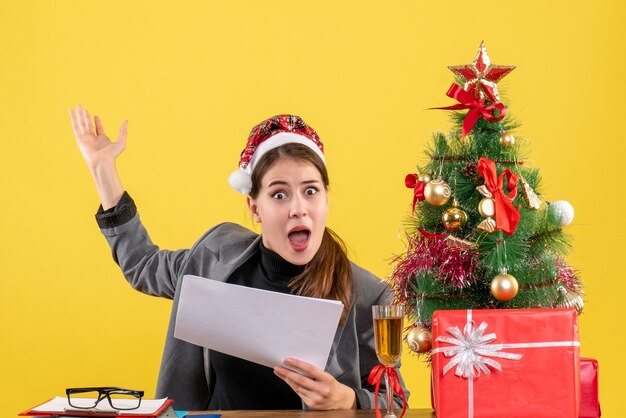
[470, 346]
[589, 401]
[589, 398]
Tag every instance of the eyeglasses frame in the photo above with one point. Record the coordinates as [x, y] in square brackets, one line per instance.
[104, 392]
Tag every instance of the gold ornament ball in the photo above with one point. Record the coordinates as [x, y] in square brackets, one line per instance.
[504, 287]
[437, 192]
[487, 207]
[420, 340]
[454, 218]
[425, 178]
[507, 140]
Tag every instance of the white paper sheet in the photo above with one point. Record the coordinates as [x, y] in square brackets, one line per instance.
[60, 404]
[256, 325]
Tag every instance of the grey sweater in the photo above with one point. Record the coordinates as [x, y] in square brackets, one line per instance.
[184, 373]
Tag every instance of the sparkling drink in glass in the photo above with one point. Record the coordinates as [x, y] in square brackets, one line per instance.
[388, 323]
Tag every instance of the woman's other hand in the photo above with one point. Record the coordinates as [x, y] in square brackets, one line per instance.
[94, 144]
[100, 154]
[317, 388]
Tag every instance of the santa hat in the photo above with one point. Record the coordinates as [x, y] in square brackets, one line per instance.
[269, 134]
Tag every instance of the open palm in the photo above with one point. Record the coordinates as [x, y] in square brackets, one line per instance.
[94, 144]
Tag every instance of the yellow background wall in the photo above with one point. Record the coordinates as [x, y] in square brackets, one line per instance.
[194, 77]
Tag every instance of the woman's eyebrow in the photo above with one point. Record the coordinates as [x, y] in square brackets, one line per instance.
[278, 183]
[284, 183]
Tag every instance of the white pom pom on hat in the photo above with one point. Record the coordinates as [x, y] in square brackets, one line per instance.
[270, 134]
[240, 181]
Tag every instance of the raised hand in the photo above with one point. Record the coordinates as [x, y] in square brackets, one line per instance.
[100, 154]
[319, 390]
[94, 144]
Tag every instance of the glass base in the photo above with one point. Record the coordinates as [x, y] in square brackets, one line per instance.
[389, 385]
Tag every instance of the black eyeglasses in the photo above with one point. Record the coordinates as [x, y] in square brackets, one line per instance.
[119, 398]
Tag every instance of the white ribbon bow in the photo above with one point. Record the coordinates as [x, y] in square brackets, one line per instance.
[471, 351]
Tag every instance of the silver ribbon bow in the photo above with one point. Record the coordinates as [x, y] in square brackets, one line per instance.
[471, 351]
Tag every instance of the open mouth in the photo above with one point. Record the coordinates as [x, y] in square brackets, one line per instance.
[299, 238]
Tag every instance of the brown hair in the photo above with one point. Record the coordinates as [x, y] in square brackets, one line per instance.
[328, 275]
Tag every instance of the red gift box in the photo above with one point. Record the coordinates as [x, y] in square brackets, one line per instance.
[506, 363]
[589, 402]
[589, 399]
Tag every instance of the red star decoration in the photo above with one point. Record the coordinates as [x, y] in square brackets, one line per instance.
[481, 77]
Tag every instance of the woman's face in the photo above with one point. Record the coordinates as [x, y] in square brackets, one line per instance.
[291, 206]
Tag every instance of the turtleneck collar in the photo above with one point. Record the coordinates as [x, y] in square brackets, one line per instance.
[276, 267]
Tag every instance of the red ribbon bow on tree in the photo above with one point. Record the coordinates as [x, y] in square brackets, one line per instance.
[411, 181]
[477, 108]
[374, 379]
[507, 215]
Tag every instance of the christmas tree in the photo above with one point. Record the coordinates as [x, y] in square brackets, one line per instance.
[481, 235]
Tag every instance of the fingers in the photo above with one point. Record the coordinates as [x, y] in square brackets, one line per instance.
[121, 138]
[307, 368]
[99, 127]
[312, 380]
[317, 394]
[83, 121]
[294, 379]
[80, 120]
[88, 122]
[75, 125]
[302, 385]
[317, 388]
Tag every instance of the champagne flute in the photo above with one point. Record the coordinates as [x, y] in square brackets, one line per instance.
[388, 334]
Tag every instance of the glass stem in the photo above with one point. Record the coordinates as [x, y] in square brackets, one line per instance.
[389, 386]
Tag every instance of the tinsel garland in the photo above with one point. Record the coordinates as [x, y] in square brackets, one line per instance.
[449, 264]
[568, 276]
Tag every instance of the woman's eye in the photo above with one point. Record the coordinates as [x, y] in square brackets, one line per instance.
[310, 191]
[279, 195]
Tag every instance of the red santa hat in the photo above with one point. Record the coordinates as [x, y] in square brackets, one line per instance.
[269, 134]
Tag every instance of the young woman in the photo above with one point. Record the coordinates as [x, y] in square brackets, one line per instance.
[282, 172]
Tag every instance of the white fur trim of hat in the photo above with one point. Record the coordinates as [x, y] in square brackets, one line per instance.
[241, 179]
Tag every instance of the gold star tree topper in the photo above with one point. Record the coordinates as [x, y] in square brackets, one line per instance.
[481, 77]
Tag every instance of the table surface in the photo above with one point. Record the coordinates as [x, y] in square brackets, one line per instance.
[410, 413]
